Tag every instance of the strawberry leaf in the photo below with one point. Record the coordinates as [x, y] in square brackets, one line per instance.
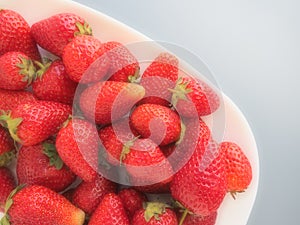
[54, 159]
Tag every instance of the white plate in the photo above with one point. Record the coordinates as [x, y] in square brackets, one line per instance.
[237, 129]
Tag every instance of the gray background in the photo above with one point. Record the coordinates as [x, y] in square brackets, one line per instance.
[253, 48]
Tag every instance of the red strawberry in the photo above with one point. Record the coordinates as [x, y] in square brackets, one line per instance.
[192, 98]
[200, 186]
[40, 205]
[7, 184]
[53, 83]
[7, 148]
[16, 71]
[108, 101]
[155, 214]
[132, 200]
[168, 149]
[200, 220]
[110, 212]
[11, 99]
[238, 168]
[76, 144]
[124, 66]
[15, 34]
[88, 195]
[33, 122]
[55, 32]
[158, 77]
[159, 123]
[80, 59]
[40, 164]
[146, 165]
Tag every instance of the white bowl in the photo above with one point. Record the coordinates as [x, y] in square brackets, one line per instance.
[237, 129]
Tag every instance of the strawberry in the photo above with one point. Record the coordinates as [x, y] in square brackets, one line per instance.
[158, 77]
[53, 83]
[7, 148]
[55, 32]
[108, 101]
[11, 99]
[200, 186]
[124, 66]
[146, 164]
[110, 212]
[33, 122]
[76, 144]
[36, 204]
[7, 184]
[168, 149]
[192, 97]
[200, 220]
[159, 123]
[16, 71]
[155, 213]
[238, 168]
[40, 164]
[85, 59]
[132, 200]
[15, 34]
[88, 195]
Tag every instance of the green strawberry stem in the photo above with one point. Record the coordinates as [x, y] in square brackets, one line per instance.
[180, 91]
[42, 68]
[27, 69]
[126, 148]
[12, 125]
[185, 212]
[154, 209]
[6, 157]
[133, 78]
[8, 204]
[83, 29]
[54, 159]
[182, 133]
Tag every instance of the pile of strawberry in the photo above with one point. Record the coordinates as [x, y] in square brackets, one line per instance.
[149, 134]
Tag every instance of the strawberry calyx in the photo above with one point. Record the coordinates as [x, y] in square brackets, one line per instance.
[8, 204]
[133, 78]
[42, 68]
[126, 148]
[154, 209]
[6, 157]
[27, 69]
[11, 124]
[83, 29]
[50, 151]
[180, 91]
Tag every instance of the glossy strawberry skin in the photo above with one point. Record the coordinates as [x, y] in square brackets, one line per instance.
[123, 65]
[40, 120]
[15, 34]
[159, 123]
[158, 77]
[200, 186]
[6, 147]
[201, 99]
[39, 205]
[33, 168]
[238, 167]
[10, 99]
[88, 195]
[55, 85]
[12, 76]
[200, 220]
[132, 200]
[7, 184]
[105, 102]
[110, 212]
[85, 59]
[55, 32]
[166, 218]
[76, 144]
